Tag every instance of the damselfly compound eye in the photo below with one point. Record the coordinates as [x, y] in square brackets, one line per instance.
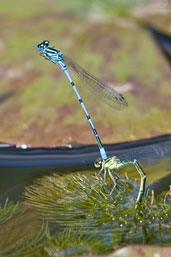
[46, 43]
[43, 45]
[98, 163]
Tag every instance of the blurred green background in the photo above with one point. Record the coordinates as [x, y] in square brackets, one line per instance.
[37, 105]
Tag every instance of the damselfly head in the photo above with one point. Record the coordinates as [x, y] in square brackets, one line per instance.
[98, 163]
[43, 45]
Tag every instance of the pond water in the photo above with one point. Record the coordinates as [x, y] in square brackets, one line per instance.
[53, 205]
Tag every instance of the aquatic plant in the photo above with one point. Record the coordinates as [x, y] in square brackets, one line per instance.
[75, 214]
[79, 206]
[20, 230]
[8, 211]
[26, 247]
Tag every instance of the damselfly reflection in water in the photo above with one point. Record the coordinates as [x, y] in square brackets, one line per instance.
[114, 99]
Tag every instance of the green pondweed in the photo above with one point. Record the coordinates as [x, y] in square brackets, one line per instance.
[8, 211]
[77, 202]
[74, 214]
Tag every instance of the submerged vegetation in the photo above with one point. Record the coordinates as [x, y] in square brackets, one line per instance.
[8, 211]
[76, 214]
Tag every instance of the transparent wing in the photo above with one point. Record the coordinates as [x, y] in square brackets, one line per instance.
[106, 93]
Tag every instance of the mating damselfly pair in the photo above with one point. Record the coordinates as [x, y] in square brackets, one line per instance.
[112, 97]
